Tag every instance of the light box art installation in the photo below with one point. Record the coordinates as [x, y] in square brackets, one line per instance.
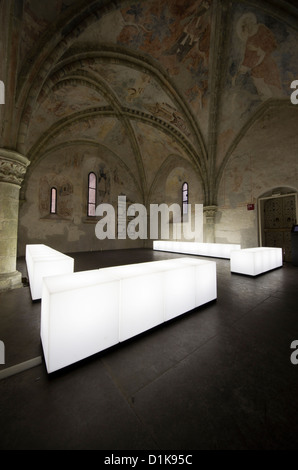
[141, 302]
[79, 316]
[213, 250]
[255, 261]
[86, 312]
[41, 260]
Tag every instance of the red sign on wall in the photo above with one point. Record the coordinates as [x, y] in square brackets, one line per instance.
[250, 207]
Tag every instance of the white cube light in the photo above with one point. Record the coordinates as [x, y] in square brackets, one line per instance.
[179, 289]
[141, 298]
[41, 261]
[84, 313]
[188, 283]
[213, 250]
[79, 316]
[255, 261]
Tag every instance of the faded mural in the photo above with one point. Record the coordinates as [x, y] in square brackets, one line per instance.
[136, 75]
[178, 35]
[70, 228]
[258, 65]
[261, 66]
[260, 55]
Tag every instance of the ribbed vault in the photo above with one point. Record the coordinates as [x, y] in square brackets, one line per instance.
[130, 75]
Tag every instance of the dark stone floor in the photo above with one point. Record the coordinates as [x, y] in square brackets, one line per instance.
[219, 377]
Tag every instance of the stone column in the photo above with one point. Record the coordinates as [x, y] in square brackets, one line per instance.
[12, 171]
[209, 233]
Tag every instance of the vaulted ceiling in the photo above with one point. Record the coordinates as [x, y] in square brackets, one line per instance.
[149, 79]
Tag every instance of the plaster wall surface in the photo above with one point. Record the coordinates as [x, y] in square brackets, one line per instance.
[264, 160]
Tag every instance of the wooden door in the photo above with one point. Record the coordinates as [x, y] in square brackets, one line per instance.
[279, 217]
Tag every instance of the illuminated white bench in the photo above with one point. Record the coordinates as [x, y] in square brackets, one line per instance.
[41, 260]
[214, 250]
[255, 261]
[86, 312]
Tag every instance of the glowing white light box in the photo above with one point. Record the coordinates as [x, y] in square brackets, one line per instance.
[214, 250]
[79, 316]
[41, 260]
[84, 313]
[255, 261]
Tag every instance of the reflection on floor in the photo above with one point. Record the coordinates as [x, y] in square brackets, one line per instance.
[219, 377]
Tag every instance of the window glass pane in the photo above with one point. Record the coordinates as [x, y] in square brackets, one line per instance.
[92, 181]
[91, 194]
[53, 207]
[185, 192]
[184, 198]
[91, 210]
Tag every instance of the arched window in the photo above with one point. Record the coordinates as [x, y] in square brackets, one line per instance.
[184, 198]
[91, 194]
[2, 92]
[53, 201]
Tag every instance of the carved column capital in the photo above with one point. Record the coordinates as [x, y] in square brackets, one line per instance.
[13, 167]
[210, 211]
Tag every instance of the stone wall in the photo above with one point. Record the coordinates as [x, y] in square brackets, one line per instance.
[264, 160]
[71, 230]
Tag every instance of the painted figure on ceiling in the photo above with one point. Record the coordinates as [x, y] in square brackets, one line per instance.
[258, 58]
[194, 33]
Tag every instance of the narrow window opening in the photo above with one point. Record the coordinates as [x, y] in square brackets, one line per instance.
[91, 194]
[53, 202]
[185, 198]
[2, 92]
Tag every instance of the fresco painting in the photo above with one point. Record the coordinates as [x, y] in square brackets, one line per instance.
[141, 91]
[260, 68]
[59, 104]
[258, 58]
[109, 133]
[178, 35]
[259, 65]
[66, 100]
[155, 147]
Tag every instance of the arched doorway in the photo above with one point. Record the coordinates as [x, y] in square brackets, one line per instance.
[277, 215]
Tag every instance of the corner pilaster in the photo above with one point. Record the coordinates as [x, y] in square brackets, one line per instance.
[209, 226]
[13, 167]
